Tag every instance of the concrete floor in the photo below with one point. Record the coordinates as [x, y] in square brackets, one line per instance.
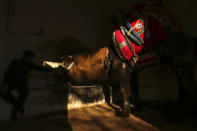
[97, 118]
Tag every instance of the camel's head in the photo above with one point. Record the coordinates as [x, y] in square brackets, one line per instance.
[66, 63]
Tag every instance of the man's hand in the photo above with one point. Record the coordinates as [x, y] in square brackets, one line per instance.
[4, 89]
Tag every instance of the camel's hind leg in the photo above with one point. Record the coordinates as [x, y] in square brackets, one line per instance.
[107, 93]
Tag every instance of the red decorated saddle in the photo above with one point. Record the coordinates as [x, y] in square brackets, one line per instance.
[131, 39]
[162, 32]
[128, 47]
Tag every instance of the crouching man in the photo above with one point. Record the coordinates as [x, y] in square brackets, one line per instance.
[16, 78]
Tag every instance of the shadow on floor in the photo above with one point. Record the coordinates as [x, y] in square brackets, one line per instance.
[59, 118]
[154, 113]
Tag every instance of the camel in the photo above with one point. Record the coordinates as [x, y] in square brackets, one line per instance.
[113, 64]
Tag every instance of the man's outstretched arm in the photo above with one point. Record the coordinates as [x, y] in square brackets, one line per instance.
[40, 68]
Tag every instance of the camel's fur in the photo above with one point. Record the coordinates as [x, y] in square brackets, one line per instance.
[89, 68]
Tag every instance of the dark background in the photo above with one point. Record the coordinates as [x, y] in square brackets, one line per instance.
[42, 24]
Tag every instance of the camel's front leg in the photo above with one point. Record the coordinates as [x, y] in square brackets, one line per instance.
[125, 89]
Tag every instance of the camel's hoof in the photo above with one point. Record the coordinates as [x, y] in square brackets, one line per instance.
[125, 115]
[122, 114]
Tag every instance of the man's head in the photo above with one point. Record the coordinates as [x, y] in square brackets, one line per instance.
[28, 55]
